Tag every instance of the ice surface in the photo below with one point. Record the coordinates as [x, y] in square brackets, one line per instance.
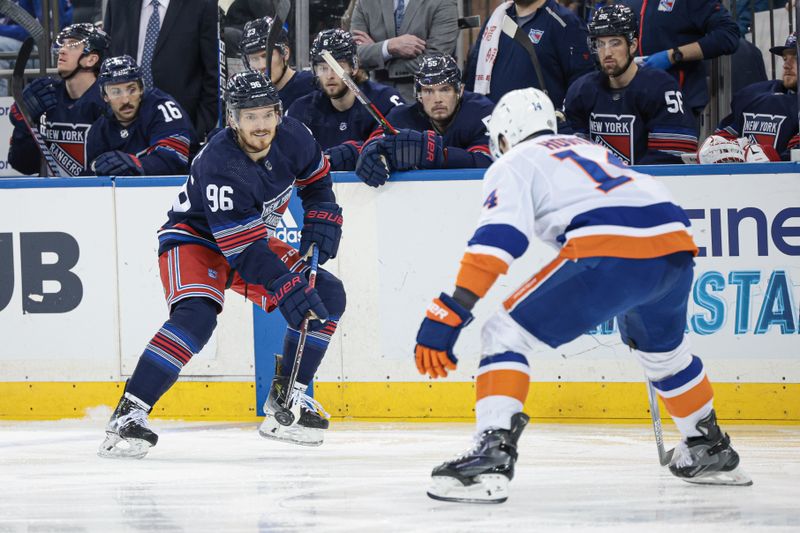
[372, 477]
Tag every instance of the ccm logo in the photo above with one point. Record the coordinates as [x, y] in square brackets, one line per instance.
[335, 218]
[437, 311]
[284, 289]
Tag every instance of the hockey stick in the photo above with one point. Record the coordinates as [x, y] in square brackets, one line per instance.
[511, 29]
[49, 165]
[365, 101]
[24, 19]
[664, 457]
[284, 416]
[222, 60]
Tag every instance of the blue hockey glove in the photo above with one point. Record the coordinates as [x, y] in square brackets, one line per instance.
[117, 163]
[659, 60]
[322, 224]
[343, 156]
[414, 149]
[39, 97]
[295, 298]
[438, 334]
[372, 167]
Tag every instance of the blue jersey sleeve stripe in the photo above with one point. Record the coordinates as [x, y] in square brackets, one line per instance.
[503, 236]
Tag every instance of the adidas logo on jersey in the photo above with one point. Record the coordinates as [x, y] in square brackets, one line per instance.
[287, 229]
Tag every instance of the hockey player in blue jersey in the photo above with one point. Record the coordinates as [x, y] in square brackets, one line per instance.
[766, 112]
[339, 123]
[220, 234]
[145, 134]
[65, 108]
[445, 118]
[637, 113]
[624, 251]
[291, 84]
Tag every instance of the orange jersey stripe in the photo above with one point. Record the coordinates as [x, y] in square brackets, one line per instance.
[531, 284]
[479, 272]
[503, 383]
[629, 247]
[690, 401]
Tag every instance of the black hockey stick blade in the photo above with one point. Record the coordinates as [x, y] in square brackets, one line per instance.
[49, 165]
[272, 39]
[511, 29]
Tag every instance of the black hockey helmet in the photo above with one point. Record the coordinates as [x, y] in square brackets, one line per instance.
[119, 69]
[255, 34]
[613, 20]
[338, 43]
[437, 69]
[251, 89]
[94, 39]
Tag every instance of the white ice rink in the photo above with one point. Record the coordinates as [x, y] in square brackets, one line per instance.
[372, 477]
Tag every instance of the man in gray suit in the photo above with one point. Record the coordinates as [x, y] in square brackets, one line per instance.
[393, 34]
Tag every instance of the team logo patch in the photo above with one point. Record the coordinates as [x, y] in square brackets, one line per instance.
[763, 129]
[67, 142]
[274, 209]
[342, 126]
[123, 134]
[666, 6]
[615, 132]
[491, 200]
[535, 35]
[212, 273]
[268, 165]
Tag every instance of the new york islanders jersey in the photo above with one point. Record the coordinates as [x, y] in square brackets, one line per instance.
[576, 196]
[331, 127]
[465, 138]
[766, 113]
[301, 84]
[160, 136]
[642, 123]
[64, 128]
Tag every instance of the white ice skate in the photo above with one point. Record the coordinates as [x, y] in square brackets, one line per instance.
[128, 435]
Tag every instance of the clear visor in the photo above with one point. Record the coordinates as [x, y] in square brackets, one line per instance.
[256, 117]
[70, 43]
[608, 43]
[119, 92]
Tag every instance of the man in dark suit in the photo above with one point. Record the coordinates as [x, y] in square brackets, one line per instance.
[178, 39]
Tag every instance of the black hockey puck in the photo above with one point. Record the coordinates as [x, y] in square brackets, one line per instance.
[284, 417]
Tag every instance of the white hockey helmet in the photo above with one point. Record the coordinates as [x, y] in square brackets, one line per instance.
[717, 149]
[518, 115]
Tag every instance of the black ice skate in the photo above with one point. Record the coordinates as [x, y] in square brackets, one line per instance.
[708, 459]
[127, 434]
[310, 418]
[481, 475]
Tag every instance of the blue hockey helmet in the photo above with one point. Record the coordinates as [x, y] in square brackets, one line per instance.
[339, 43]
[119, 69]
[250, 89]
[791, 44]
[612, 20]
[94, 39]
[255, 35]
[437, 69]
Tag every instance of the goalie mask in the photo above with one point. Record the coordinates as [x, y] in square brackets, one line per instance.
[518, 115]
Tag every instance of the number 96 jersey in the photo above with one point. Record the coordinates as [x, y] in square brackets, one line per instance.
[576, 196]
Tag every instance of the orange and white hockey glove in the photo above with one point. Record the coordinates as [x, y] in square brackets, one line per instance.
[438, 334]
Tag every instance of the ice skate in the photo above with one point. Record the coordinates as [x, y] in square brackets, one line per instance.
[128, 435]
[708, 459]
[481, 474]
[310, 418]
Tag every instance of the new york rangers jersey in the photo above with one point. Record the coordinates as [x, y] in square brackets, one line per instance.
[64, 128]
[465, 137]
[161, 136]
[575, 196]
[642, 123]
[331, 127]
[301, 84]
[766, 113]
[230, 202]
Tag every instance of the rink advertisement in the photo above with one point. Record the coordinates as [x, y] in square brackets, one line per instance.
[80, 296]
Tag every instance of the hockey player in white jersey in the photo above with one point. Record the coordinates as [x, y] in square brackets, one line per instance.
[624, 251]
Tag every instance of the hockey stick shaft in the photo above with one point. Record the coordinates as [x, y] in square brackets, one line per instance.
[301, 343]
[222, 68]
[50, 167]
[664, 457]
[365, 101]
[511, 29]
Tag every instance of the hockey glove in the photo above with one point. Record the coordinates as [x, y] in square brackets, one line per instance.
[343, 156]
[39, 97]
[414, 149]
[438, 334]
[659, 60]
[295, 298]
[372, 167]
[117, 163]
[322, 225]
